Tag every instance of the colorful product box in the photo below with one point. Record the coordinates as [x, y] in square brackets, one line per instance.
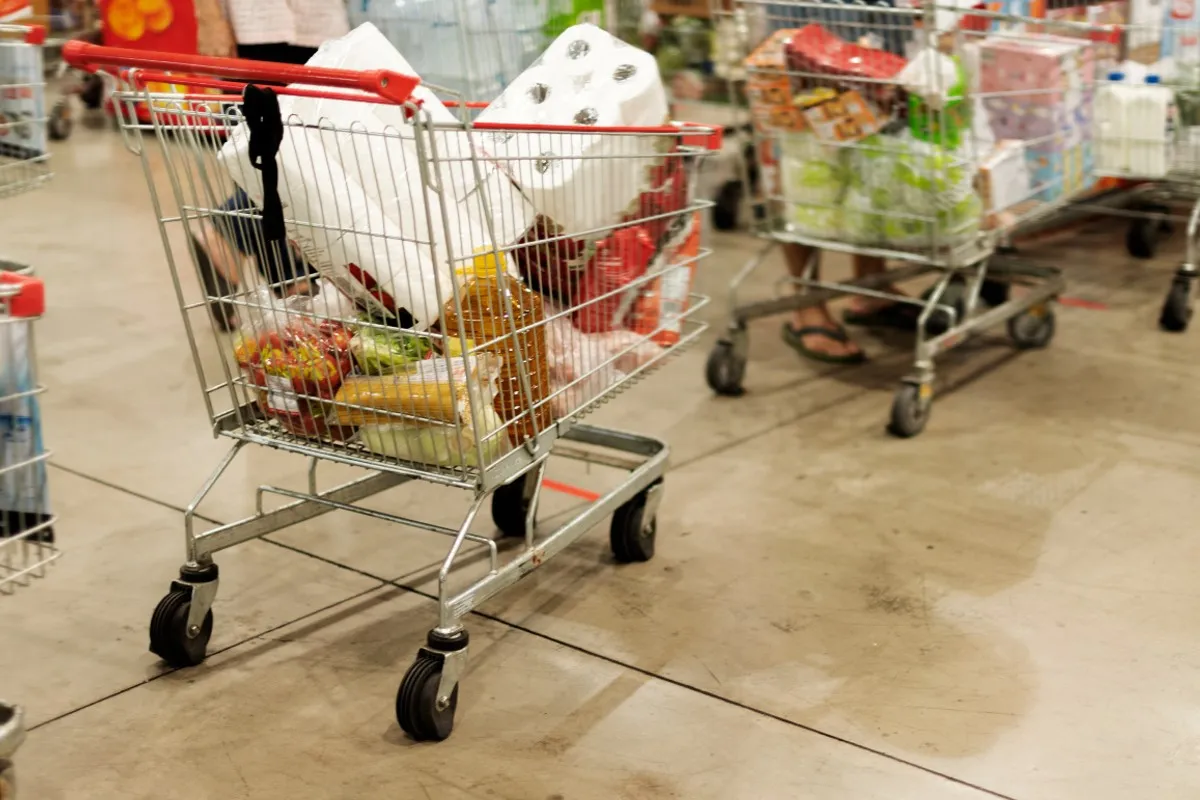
[1036, 87]
[768, 88]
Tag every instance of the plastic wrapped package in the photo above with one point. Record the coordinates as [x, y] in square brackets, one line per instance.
[551, 262]
[861, 222]
[584, 365]
[440, 445]
[813, 174]
[381, 350]
[586, 77]
[600, 300]
[441, 389]
[296, 362]
[933, 178]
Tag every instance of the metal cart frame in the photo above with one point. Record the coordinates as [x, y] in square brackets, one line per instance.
[427, 697]
[971, 292]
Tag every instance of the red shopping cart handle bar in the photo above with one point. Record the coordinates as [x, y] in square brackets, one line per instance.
[26, 295]
[392, 86]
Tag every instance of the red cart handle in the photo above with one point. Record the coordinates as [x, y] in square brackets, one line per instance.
[25, 294]
[392, 86]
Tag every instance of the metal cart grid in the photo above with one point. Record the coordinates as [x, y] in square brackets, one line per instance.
[192, 166]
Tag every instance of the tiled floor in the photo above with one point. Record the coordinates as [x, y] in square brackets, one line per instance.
[1004, 606]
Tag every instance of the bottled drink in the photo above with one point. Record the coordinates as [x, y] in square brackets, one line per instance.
[502, 316]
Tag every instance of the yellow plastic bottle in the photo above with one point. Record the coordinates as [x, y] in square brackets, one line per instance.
[518, 342]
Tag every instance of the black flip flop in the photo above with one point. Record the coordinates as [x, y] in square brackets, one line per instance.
[900, 316]
[795, 340]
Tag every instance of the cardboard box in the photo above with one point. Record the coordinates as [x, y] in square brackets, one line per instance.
[1003, 180]
[768, 87]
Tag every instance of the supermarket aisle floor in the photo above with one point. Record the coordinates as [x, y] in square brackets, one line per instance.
[1002, 607]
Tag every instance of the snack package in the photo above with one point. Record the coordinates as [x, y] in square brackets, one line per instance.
[550, 262]
[659, 310]
[295, 361]
[815, 50]
[620, 260]
[437, 390]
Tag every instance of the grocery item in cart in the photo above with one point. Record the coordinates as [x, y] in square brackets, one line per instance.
[295, 362]
[550, 261]
[443, 389]
[605, 294]
[1004, 182]
[938, 108]
[360, 161]
[382, 350]
[504, 317]
[582, 365]
[768, 87]
[816, 52]
[585, 78]
[659, 310]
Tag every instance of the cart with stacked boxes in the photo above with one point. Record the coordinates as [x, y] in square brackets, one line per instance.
[922, 137]
[436, 291]
[27, 545]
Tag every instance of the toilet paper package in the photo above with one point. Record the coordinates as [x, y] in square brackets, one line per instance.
[584, 182]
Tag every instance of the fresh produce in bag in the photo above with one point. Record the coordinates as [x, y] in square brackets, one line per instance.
[382, 350]
[436, 390]
[620, 260]
[441, 445]
[295, 360]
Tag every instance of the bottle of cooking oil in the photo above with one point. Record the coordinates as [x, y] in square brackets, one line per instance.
[504, 317]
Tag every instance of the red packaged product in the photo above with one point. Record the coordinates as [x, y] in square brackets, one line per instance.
[620, 259]
[662, 305]
[816, 50]
[296, 368]
[669, 192]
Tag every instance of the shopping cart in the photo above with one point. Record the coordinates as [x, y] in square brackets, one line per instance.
[478, 401]
[858, 154]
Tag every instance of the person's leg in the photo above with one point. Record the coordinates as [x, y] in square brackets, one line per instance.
[812, 331]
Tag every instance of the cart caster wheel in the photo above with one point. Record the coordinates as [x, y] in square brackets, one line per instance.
[633, 531]
[417, 708]
[1177, 308]
[1141, 240]
[954, 297]
[510, 505]
[725, 370]
[994, 293]
[1033, 328]
[60, 124]
[910, 409]
[169, 639]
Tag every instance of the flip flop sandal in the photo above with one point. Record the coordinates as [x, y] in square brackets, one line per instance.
[900, 316]
[795, 339]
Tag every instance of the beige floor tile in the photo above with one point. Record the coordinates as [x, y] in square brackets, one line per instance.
[307, 712]
[80, 633]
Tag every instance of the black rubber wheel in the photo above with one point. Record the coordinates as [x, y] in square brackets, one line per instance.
[994, 293]
[725, 370]
[1141, 240]
[632, 536]
[60, 124]
[169, 638]
[910, 410]
[1032, 329]
[510, 504]
[416, 702]
[1177, 308]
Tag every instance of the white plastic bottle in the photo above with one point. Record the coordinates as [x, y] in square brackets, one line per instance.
[1149, 117]
[1112, 126]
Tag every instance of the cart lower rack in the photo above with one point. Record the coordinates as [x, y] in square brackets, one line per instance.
[361, 242]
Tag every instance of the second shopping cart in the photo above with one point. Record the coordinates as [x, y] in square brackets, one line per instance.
[442, 293]
[867, 125]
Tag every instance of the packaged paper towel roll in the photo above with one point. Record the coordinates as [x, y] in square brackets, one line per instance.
[631, 77]
[579, 52]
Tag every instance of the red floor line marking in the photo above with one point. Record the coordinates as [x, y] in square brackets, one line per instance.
[574, 491]
[1078, 302]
